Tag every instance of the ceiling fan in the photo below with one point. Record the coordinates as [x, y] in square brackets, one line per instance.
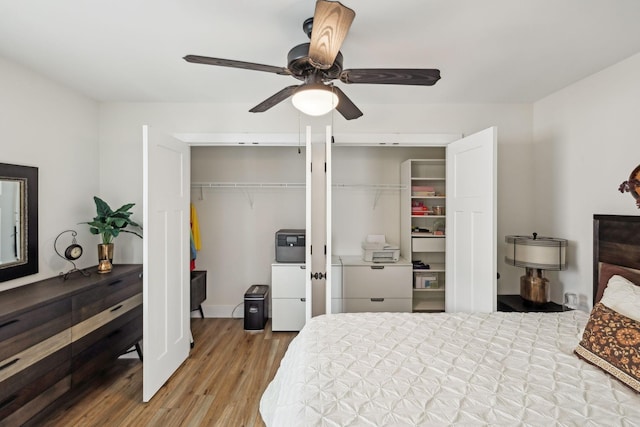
[319, 62]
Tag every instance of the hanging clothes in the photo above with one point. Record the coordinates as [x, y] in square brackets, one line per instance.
[195, 242]
[195, 228]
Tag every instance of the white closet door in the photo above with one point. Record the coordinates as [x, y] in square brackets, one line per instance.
[327, 267]
[166, 283]
[308, 238]
[471, 223]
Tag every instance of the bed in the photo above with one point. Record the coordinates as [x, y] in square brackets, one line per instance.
[401, 369]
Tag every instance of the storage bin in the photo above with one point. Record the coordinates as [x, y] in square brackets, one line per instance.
[426, 281]
[428, 244]
[422, 191]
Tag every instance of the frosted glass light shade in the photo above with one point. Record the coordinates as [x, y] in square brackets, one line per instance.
[314, 100]
[546, 253]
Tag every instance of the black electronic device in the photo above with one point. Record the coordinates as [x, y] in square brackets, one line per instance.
[290, 245]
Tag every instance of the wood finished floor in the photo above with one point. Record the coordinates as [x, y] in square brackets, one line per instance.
[220, 384]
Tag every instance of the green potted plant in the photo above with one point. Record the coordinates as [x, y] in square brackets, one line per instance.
[109, 224]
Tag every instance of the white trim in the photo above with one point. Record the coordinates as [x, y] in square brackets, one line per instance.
[294, 139]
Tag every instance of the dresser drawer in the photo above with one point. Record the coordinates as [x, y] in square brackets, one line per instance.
[363, 305]
[106, 317]
[105, 329]
[287, 281]
[96, 351]
[24, 377]
[22, 331]
[287, 314]
[106, 294]
[20, 401]
[377, 281]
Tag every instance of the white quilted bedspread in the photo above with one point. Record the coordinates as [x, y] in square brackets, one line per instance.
[400, 369]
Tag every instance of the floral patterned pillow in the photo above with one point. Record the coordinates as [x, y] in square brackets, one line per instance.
[611, 342]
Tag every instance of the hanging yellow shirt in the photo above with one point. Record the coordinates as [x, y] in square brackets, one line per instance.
[195, 228]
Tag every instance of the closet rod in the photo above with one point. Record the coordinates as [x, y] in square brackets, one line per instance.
[247, 185]
[291, 185]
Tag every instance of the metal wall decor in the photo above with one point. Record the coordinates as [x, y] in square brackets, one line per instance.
[632, 185]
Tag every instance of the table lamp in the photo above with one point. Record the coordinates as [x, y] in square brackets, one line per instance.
[536, 254]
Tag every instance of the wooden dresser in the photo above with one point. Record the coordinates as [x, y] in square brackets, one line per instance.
[56, 335]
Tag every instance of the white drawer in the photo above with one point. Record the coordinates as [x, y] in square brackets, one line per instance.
[287, 314]
[287, 280]
[362, 305]
[428, 244]
[377, 281]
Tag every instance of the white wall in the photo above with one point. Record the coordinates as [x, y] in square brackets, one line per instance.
[121, 156]
[586, 140]
[48, 126]
[560, 160]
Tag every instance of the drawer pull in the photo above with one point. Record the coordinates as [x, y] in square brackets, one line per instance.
[6, 365]
[8, 401]
[303, 267]
[10, 322]
[303, 299]
[377, 267]
[116, 308]
[115, 282]
[377, 299]
[114, 333]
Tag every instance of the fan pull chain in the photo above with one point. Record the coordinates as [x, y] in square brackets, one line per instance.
[299, 130]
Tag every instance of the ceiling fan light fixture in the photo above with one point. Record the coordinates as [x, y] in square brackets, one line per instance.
[314, 99]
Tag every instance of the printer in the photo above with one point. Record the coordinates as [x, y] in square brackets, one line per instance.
[376, 249]
[290, 245]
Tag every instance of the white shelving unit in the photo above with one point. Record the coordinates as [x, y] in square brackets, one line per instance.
[422, 233]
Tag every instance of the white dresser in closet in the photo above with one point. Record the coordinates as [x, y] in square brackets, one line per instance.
[376, 287]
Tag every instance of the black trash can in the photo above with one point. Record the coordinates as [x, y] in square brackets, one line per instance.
[256, 310]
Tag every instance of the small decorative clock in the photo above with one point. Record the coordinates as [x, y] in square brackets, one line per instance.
[72, 252]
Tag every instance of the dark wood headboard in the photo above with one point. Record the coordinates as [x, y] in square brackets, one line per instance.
[616, 240]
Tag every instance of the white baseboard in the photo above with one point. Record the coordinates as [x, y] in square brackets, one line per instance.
[220, 311]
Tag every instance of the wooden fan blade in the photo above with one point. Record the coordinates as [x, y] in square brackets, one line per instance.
[391, 76]
[345, 107]
[236, 64]
[331, 22]
[274, 99]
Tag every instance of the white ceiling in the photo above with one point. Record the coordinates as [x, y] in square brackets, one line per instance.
[488, 51]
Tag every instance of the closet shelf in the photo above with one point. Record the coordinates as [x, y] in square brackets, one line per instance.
[247, 185]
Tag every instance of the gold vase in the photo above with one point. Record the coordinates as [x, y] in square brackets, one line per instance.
[534, 287]
[105, 257]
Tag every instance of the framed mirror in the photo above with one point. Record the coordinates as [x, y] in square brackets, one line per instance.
[18, 221]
